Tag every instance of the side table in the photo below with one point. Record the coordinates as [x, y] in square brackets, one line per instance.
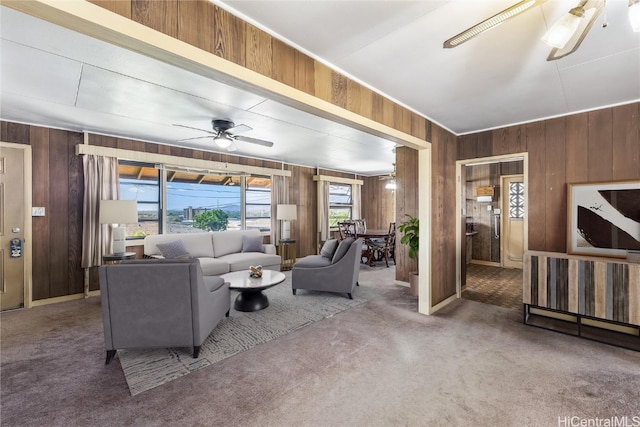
[287, 251]
[116, 258]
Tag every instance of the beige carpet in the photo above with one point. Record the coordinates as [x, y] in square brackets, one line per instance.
[378, 364]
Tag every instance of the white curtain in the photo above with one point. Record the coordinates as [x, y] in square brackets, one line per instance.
[356, 201]
[279, 196]
[100, 183]
[323, 211]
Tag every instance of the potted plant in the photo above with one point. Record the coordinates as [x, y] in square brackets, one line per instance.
[410, 230]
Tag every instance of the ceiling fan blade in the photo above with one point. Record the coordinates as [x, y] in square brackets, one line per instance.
[197, 137]
[253, 141]
[583, 28]
[490, 23]
[239, 129]
[189, 127]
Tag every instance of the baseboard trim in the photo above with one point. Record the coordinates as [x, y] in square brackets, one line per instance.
[401, 283]
[64, 298]
[489, 263]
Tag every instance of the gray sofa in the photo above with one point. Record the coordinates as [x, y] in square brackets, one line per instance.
[330, 272]
[219, 252]
[160, 303]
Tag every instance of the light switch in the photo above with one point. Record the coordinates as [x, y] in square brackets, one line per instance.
[37, 211]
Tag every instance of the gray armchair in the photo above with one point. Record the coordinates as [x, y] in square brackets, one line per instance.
[338, 273]
[160, 303]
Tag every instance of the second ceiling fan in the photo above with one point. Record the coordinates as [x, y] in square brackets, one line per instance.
[224, 134]
[565, 36]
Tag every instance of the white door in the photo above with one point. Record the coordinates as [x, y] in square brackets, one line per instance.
[12, 214]
[512, 212]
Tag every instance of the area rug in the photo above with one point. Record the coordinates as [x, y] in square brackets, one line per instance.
[149, 368]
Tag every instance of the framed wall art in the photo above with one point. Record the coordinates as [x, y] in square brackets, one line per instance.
[604, 218]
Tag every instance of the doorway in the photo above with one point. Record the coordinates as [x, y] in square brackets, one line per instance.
[492, 231]
[15, 225]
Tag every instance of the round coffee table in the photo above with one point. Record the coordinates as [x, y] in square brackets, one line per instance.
[250, 297]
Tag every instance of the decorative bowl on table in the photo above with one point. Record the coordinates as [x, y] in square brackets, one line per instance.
[255, 271]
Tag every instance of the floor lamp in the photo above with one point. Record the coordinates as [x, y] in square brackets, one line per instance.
[286, 213]
[116, 213]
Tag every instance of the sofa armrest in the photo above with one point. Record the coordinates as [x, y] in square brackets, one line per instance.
[269, 248]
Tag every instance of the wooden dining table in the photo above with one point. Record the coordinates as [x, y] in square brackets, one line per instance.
[372, 254]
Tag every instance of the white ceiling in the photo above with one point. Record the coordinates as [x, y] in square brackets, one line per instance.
[54, 77]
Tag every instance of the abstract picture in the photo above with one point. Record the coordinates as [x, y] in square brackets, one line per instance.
[604, 218]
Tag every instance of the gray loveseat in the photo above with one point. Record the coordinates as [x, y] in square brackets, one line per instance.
[220, 252]
[330, 272]
[160, 303]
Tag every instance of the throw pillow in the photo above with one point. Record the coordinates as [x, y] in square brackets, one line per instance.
[329, 248]
[252, 243]
[173, 250]
[342, 250]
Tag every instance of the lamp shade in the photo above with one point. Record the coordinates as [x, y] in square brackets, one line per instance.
[286, 212]
[118, 212]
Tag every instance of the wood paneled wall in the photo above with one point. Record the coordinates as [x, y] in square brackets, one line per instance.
[602, 145]
[378, 203]
[212, 29]
[406, 204]
[58, 185]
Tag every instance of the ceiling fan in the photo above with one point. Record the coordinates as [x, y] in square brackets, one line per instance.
[565, 36]
[224, 134]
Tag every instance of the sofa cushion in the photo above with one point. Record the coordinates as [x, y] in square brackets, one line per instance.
[312, 261]
[197, 244]
[329, 248]
[213, 266]
[230, 241]
[252, 243]
[343, 248]
[242, 261]
[173, 249]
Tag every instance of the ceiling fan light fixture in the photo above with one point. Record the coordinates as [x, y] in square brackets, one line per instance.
[634, 15]
[222, 141]
[488, 24]
[561, 32]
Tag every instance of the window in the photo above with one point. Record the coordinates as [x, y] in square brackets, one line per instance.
[194, 201]
[197, 202]
[516, 200]
[141, 182]
[258, 203]
[340, 203]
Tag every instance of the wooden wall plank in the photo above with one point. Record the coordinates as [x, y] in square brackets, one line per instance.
[159, 15]
[535, 134]
[75, 188]
[577, 148]
[258, 53]
[555, 196]
[600, 146]
[419, 127]
[304, 73]
[118, 6]
[229, 37]
[195, 24]
[323, 80]
[626, 137]
[338, 89]
[40, 225]
[283, 62]
[58, 244]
